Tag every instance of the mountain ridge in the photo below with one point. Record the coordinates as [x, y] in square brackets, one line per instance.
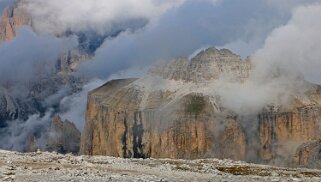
[170, 114]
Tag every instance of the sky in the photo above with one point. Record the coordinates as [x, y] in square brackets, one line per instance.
[4, 4]
[153, 30]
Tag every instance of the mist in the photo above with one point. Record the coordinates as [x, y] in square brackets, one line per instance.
[283, 68]
[293, 50]
[13, 137]
[282, 38]
[182, 30]
[30, 56]
[59, 16]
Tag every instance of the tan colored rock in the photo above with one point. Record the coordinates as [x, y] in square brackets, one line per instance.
[281, 133]
[167, 114]
[116, 126]
[12, 19]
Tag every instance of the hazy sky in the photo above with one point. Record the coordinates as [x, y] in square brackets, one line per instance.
[4, 4]
[154, 30]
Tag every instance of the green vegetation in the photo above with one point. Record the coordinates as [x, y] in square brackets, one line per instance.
[195, 104]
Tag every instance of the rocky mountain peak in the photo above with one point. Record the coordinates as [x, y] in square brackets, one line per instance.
[213, 54]
[210, 64]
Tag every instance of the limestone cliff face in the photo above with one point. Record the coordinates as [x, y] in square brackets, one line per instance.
[169, 114]
[135, 118]
[117, 126]
[282, 133]
[63, 137]
[12, 19]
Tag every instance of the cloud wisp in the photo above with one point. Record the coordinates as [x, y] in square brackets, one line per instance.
[59, 16]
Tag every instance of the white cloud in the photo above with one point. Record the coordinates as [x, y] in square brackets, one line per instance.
[29, 56]
[81, 15]
[293, 50]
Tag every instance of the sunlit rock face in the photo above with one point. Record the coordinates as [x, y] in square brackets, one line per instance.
[12, 19]
[281, 133]
[171, 113]
[186, 128]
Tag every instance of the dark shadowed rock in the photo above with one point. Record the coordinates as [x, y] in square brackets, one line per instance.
[63, 137]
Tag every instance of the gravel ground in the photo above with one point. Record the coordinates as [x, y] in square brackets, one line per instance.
[45, 166]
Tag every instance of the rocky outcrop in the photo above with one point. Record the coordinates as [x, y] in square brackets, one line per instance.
[308, 155]
[12, 108]
[63, 137]
[169, 114]
[8, 106]
[12, 19]
[128, 118]
[184, 129]
[281, 133]
[207, 65]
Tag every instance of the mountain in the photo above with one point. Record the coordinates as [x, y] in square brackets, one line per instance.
[41, 94]
[176, 112]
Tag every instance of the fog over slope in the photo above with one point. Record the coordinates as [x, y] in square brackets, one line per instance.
[282, 38]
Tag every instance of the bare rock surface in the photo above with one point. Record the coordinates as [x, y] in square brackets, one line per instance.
[63, 136]
[45, 166]
[12, 19]
[176, 112]
[209, 64]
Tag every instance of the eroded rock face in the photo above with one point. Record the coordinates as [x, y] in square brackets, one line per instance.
[169, 114]
[117, 126]
[282, 133]
[308, 155]
[128, 118]
[63, 137]
[12, 19]
[207, 65]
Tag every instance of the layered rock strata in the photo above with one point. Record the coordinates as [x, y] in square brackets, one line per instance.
[169, 114]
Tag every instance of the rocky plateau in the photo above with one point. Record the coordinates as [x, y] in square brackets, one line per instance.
[173, 112]
[45, 166]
